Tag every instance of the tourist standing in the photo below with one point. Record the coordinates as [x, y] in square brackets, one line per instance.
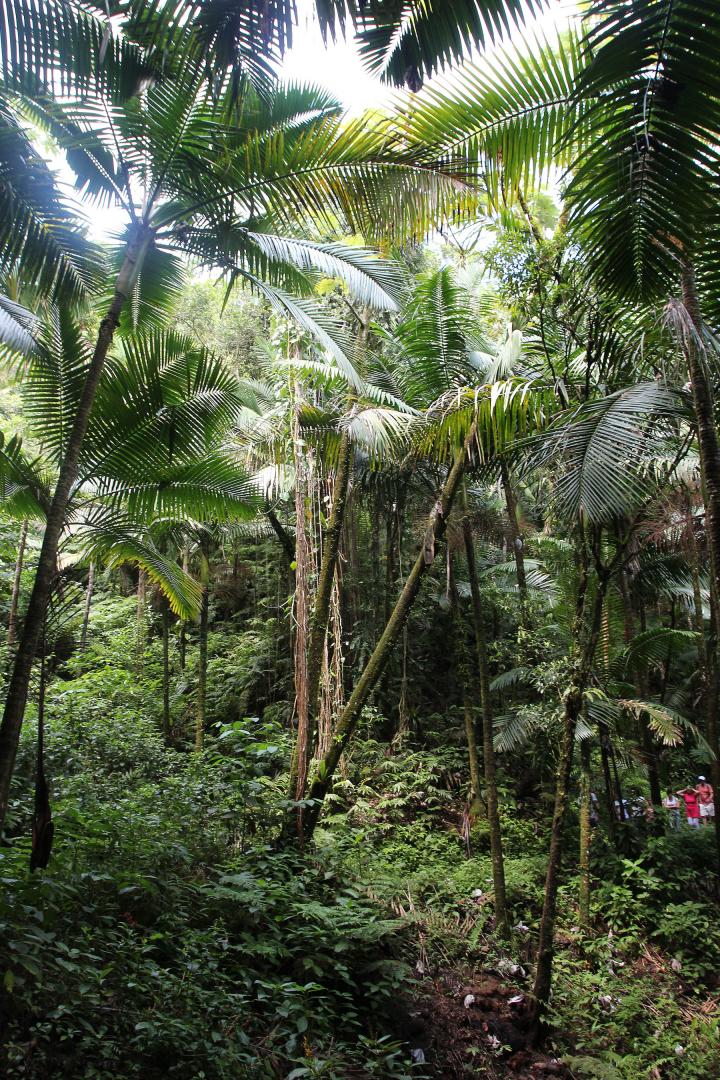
[706, 800]
[692, 806]
[671, 805]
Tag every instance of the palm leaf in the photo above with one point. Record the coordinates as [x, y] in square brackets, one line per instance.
[18, 327]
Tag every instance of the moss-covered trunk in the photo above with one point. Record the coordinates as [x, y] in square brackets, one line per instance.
[585, 832]
[201, 699]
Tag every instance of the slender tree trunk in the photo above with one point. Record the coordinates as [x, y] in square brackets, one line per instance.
[374, 668]
[318, 624]
[709, 452]
[586, 634]
[585, 833]
[88, 604]
[42, 825]
[22, 667]
[491, 795]
[183, 625]
[466, 674]
[375, 612]
[632, 602]
[604, 739]
[202, 670]
[515, 534]
[15, 598]
[304, 565]
[167, 727]
[140, 636]
[286, 540]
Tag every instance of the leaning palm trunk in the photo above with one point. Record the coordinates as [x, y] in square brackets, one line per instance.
[709, 453]
[588, 619]
[491, 793]
[16, 699]
[15, 598]
[376, 664]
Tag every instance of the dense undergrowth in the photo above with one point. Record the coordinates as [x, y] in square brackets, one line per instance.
[169, 936]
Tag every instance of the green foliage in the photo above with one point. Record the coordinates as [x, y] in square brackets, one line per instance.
[167, 938]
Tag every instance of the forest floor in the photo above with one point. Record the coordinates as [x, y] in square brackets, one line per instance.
[476, 1021]
[170, 939]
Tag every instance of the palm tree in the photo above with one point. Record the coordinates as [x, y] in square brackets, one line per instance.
[151, 454]
[431, 360]
[602, 495]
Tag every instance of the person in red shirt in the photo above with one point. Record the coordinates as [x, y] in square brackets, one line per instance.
[692, 808]
[706, 800]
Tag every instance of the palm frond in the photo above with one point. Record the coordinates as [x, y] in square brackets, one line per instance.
[404, 42]
[603, 446]
[40, 237]
[511, 678]
[644, 192]
[113, 540]
[509, 120]
[18, 327]
[654, 646]
[25, 487]
[54, 380]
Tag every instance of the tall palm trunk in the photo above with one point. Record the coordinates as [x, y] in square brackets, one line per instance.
[491, 794]
[586, 635]
[140, 628]
[373, 670]
[515, 534]
[166, 668]
[88, 604]
[201, 700]
[182, 642]
[42, 824]
[16, 699]
[15, 598]
[465, 671]
[604, 739]
[709, 452]
[585, 832]
[633, 603]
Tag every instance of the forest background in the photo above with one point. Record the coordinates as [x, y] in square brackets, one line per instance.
[360, 543]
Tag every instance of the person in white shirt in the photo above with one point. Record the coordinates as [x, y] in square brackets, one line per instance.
[671, 805]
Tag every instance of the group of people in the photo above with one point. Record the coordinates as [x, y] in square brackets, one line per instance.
[699, 804]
